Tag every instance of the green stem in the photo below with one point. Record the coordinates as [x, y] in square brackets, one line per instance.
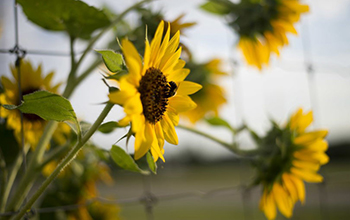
[93, 66]
[29, 177]
[58, 152]
[3, 181]
[11, 178]
[65, 162]
[232, 147]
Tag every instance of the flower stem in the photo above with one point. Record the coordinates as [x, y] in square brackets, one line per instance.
[3, 181]
[65, 162]
[231, 146]
[7, 185]
[29, 177]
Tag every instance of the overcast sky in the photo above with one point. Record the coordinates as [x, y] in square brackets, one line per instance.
[253, 96]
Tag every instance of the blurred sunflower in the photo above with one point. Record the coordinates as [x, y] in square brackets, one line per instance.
[269, 32]
[31, 80]
[154, 92]
[262, 25]
[77, 184]
[205, 75]
[295, 158]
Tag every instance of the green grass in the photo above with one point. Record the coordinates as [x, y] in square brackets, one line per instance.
[333, 196]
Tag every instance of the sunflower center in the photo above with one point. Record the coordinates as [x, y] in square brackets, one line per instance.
[30, 117]
[154, 90]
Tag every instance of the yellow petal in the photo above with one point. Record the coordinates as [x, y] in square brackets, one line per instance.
[8, 85]
[178, 75]
[306, 165]
[124, 121]
[173, 116]
[156, 43]
[294, 119]
[159, 134]
[318, 146]
[181, 103]
[169, 130]
[307, 175]
[311, 156]
[119, 97]
[299, 184]
[308, 138]
[146, 57]
[171, 63]
[290, 187]
[188, 88]
[132, 59]
[304, 122]
[144, 140]
[133, 105]
[163, 47]
[283, 201]
[138, 120]
[268, 205]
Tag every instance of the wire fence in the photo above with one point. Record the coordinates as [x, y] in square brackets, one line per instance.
[149, 199]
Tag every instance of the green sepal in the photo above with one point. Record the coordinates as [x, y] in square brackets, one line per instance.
[151, 164]
[217, 121]
[113, 61]
[125, 161]
[108, 127]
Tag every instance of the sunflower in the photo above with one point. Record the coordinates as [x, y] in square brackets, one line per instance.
[154, 92]
[269, 31]
[206, 74]
[298, 159]
[31, 80]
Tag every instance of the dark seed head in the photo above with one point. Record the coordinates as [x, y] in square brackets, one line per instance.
[154, 90]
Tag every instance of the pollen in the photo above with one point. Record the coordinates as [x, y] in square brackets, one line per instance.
[154, 92]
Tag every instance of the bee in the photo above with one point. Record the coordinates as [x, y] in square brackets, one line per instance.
[172, 89]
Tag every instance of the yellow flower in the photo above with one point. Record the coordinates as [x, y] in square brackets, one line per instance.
[257, 47]
[31, 80]
[205, 74]
[148, 92]
[298, 161]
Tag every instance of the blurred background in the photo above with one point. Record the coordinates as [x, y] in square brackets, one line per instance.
[312, 72]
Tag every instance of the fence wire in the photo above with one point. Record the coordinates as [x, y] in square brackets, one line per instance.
[148, 199]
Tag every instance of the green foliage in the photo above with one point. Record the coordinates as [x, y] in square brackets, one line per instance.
[75, 17]
[48, 106]
[216, 121]
[108, 127]
[112, 60]
[8, 144]
[151, 164]
[125, 161]
[216, 7]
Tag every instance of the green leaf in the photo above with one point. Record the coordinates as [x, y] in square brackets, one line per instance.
[215, 8]
[117, 75]
[48, 106]
[216, 121]
[108, 127]
[125, 161]
[75, 17]
[112, 60]
[151, 164]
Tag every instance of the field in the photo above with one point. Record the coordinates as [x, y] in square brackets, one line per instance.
[203, 191]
